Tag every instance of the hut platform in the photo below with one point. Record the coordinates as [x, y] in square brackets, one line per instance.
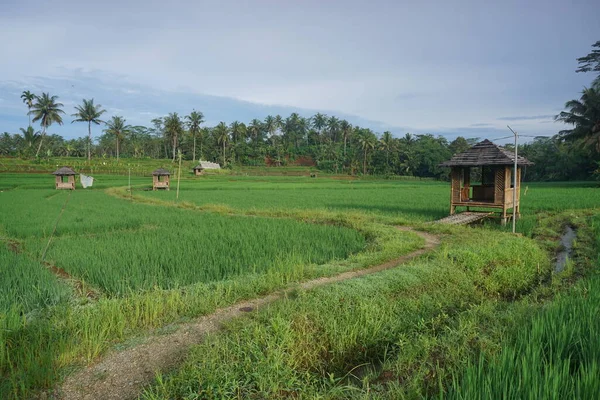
[464, 218]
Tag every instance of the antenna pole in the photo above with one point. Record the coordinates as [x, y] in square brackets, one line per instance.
[514, 219]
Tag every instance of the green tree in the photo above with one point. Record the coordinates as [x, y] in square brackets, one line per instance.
[116, 127]
[28, 99]
[367, 142]
[30, 138]
[386, 143]
[346, 129]
[90, 113]
[222, 136]
[319, 121]
[173, 127]
[47, 111]
[193, 123]
[584, 115]
[591, 63]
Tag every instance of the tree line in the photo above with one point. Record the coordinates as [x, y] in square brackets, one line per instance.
[330, 143]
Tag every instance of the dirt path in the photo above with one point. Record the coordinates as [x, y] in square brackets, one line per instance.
[122, 375]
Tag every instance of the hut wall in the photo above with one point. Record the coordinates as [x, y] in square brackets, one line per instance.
[456, 175]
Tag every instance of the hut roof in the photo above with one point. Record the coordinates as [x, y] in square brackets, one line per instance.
[161, 172]
[207, 165]
[64, 171]
[485, 153]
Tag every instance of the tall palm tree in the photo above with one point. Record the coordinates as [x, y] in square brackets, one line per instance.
[193, 123]
[346, 129]
[584, 114]
[28, 99]
[117, 127]
[270, 125]
[255, 131]
[319, 121]
[47, 111]
[333, 125]
[367, 143]
[90, 113]
[222, 136]
[386, 143]
[173, 129]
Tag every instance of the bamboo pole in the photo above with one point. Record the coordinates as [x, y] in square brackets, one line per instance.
[514, 219]
[178, 174]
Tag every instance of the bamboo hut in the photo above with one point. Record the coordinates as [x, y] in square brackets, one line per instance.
[204, 165]
[64, 178]
[160, 179]
[492, 166]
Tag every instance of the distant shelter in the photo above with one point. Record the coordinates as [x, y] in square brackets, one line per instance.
[203, 166]
[481, 177]
[64, 178]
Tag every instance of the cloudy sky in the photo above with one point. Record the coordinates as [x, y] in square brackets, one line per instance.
[441, 67]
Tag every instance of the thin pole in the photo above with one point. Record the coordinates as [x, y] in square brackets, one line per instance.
[130, 194]
[178, 174]
[514, 219]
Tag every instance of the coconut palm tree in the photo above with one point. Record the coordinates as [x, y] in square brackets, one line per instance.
[117, 127]
[386, 143]
[222, 135]
[319, 121]
[28, 99]
[255, 131]
[90, 113]
[47, 111]
[173, 128]
[584, 114]
[346, 129]
[30, 138]
[270, 125]
[333, 125]
[193, 123]
[367, 142]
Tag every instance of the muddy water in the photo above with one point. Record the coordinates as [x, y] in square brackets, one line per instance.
[567, 244]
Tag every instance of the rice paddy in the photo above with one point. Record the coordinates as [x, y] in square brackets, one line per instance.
[121, 264]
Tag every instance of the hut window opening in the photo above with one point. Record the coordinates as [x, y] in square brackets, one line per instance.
[64, 179]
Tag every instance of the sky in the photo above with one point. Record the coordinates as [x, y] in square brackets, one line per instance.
[465, 68]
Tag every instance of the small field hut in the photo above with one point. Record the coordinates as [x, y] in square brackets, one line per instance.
[204, 165]
[482, 177]
[64, 178]
[160, 179]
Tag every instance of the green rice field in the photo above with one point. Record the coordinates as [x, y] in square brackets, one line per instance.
[121, 265]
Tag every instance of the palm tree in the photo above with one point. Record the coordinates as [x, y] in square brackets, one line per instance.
[28, 99]
[346, 132]
[255, 129]
[193, 123]
[90, 113]
[333, 124]
[47, 111]
[173, 129]
[117, 127]
[30, 137]
[222, 136]
[318, 122]
[584, 114]
[366, 142]
[386, 143]
[270, 125]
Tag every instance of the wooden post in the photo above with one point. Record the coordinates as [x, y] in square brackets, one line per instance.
[178, 174]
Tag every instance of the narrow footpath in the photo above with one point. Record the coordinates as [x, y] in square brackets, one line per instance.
[123, 374]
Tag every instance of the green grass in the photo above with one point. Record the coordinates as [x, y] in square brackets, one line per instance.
[339, 341]
[555, 356]
[156, 261]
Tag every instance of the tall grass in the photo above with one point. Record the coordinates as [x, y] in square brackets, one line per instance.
[349, 339]
[555, 356]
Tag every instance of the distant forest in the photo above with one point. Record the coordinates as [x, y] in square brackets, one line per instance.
[329, 143]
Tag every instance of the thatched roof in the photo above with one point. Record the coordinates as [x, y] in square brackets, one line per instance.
[485, 153]
[64, 171]
[207, 165]
[161, 172]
